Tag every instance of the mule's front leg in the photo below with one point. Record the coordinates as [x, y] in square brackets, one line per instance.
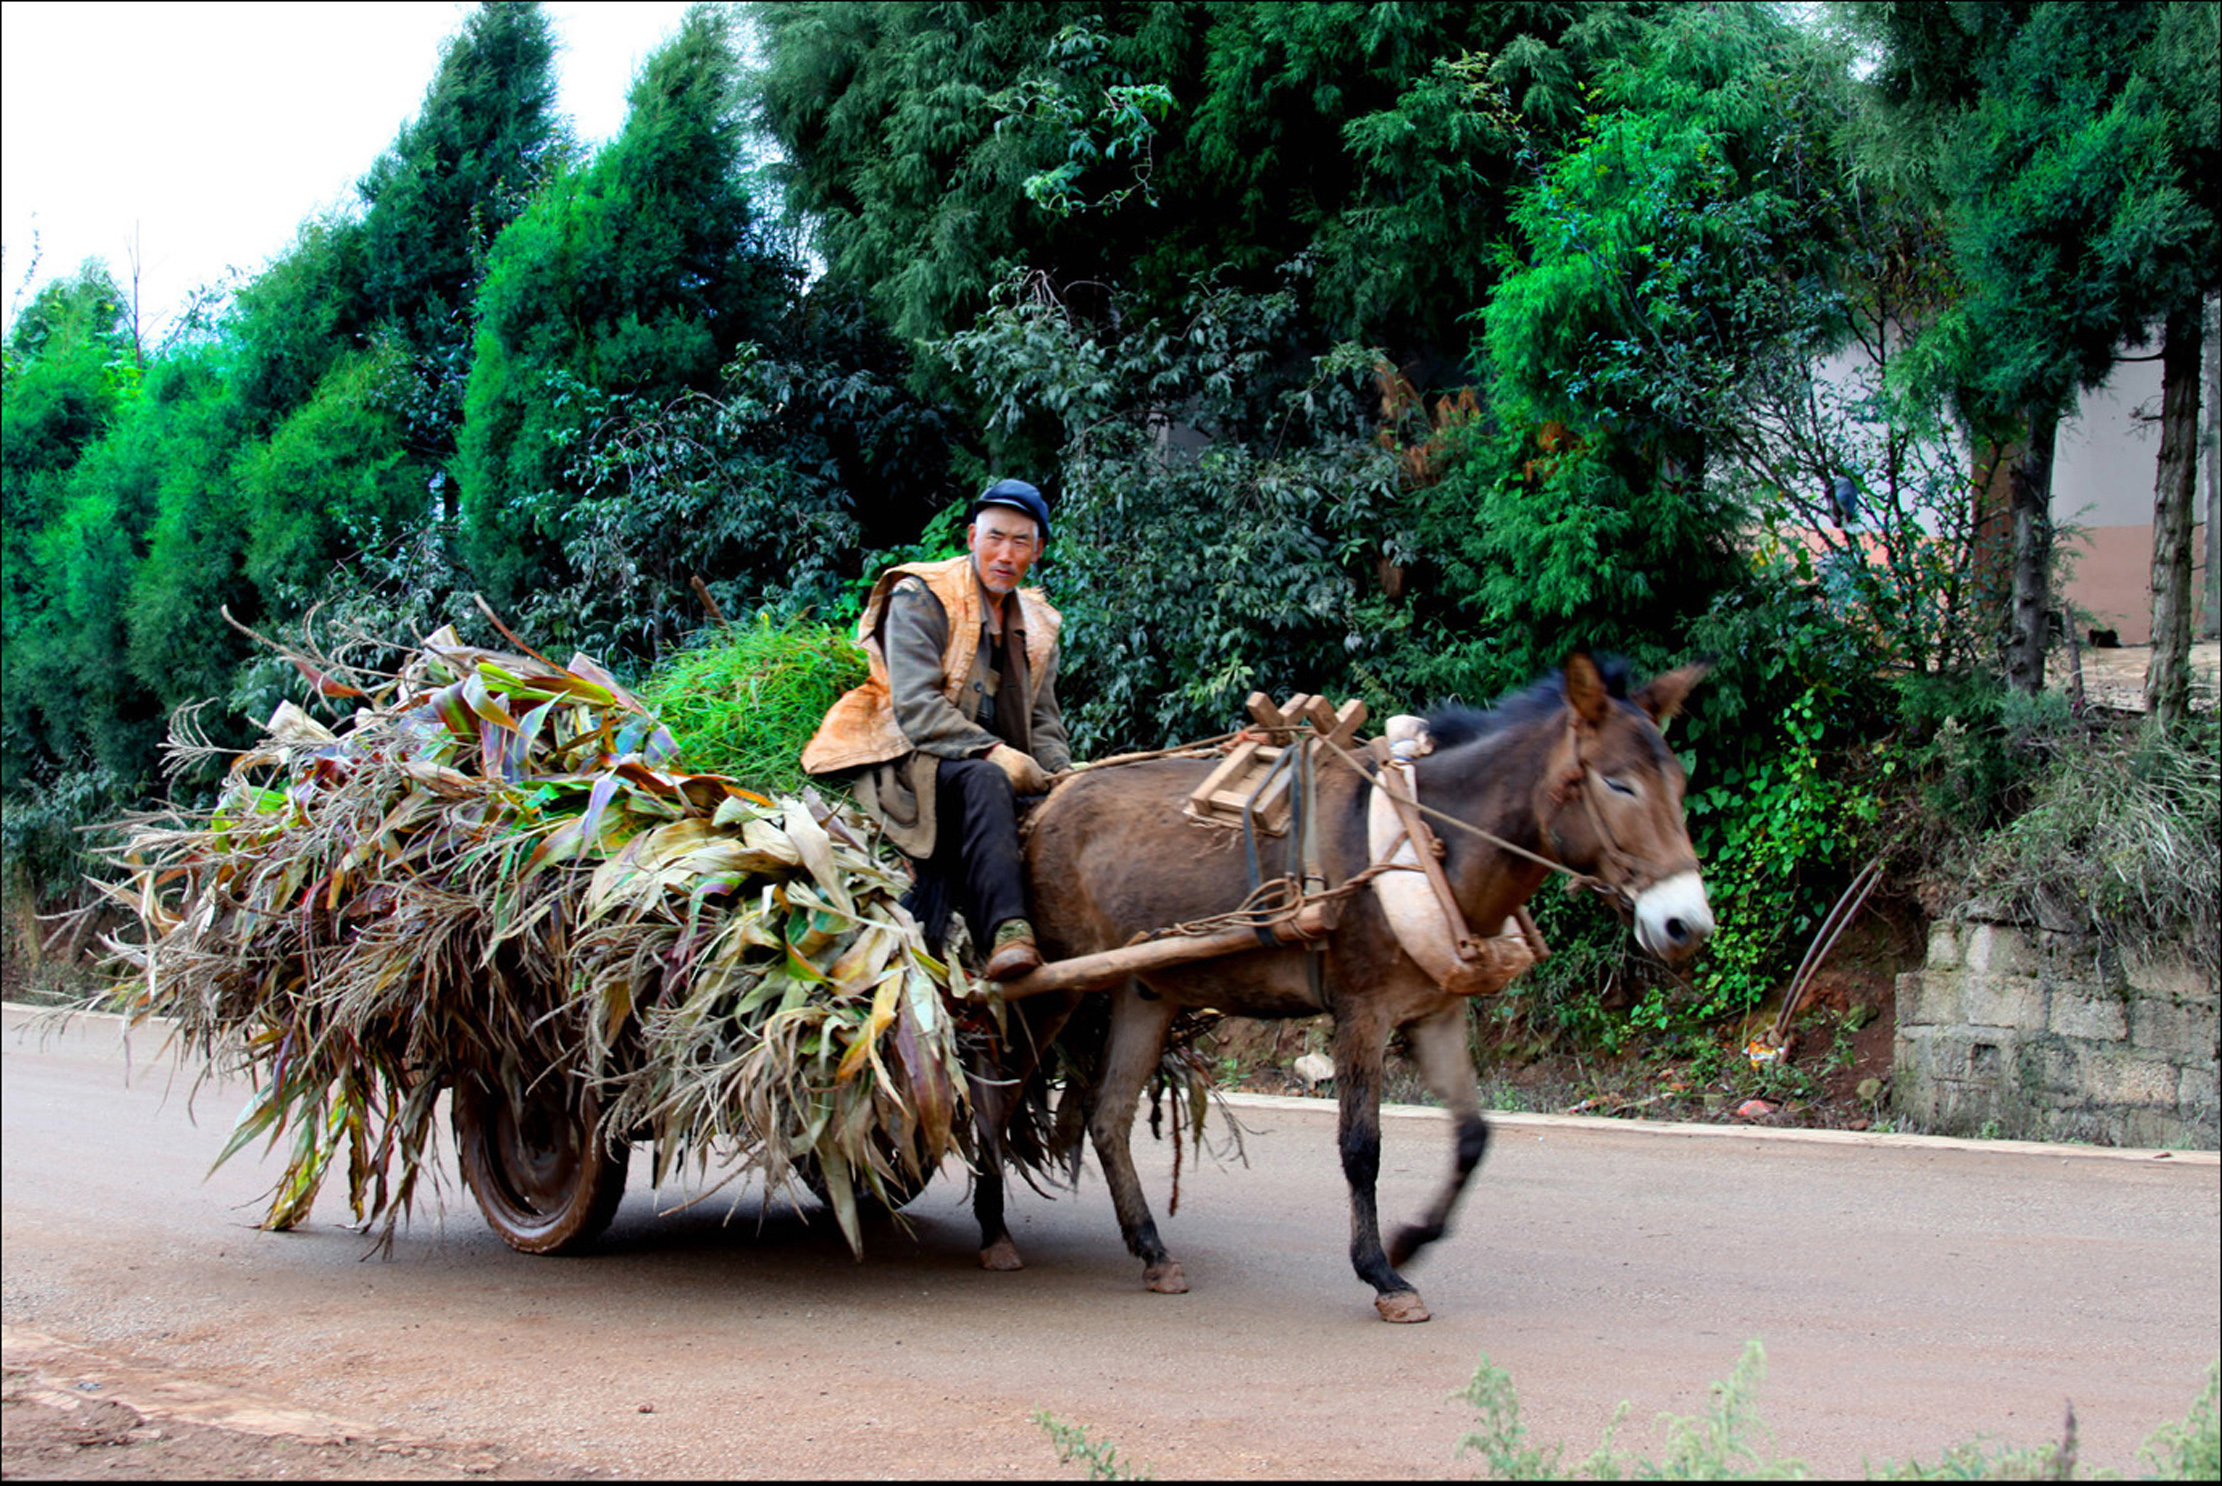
[1439, 1046]
[989, 1116]
[1359, 1046]
[1137, 1041]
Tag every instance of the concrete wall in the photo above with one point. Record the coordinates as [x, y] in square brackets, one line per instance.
[2037, 1034]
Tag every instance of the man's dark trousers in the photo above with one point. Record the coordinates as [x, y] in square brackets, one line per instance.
[976, 844]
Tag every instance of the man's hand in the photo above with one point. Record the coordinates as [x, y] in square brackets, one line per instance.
[1026, 776]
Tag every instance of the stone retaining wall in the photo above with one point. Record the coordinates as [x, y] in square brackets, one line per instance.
[2035, 1034]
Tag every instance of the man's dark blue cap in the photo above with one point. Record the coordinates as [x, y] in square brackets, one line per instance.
[1019, 496]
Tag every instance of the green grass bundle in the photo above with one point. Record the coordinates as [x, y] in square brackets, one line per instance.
[744, 700]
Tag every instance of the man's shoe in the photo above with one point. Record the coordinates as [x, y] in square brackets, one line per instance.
[1014, 952]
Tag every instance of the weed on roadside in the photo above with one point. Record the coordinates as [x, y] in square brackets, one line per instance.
[1728, 1442]
[1099, 1457]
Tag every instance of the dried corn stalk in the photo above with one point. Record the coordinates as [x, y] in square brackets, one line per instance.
[497, 869]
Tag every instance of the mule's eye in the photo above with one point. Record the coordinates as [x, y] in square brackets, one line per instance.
[1620, 787]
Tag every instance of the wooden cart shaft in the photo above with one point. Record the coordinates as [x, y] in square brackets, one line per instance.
[1096, 971]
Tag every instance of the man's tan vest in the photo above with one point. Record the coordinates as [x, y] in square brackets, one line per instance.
[859, 729]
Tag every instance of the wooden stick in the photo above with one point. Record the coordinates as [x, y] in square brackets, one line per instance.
[702, 592]
[1094, 972]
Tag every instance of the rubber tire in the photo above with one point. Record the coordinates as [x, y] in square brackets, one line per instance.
[542, 1179]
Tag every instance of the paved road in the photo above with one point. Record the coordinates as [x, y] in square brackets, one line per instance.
[1910, 1294]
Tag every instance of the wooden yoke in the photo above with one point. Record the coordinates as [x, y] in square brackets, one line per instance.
[1247, 776]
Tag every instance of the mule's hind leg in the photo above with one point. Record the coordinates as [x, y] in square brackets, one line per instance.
[1137, 1041]
[1438, 1043]
[998, 1080]
[991, 1111]
[1360, 1043]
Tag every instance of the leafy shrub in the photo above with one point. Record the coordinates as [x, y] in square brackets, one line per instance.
[658, 492]
[1580, 993]
[47, 840]
[1976, 747]
[1780, 834]
[2191, 1450]
[1217, 515]
[1535, 542]
[1725, 1442]
[48, 836]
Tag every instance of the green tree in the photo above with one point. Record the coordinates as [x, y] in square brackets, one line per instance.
[293, 322]
[179, 647]
[487, 138]
[68, 375]
[1338, 133]
[2184, 62]
[67, 371]
[87, 308]
[336, 479]
[1673, 258]
[79, 671]
[2072, 139]
[1680, 248]
[635, 276]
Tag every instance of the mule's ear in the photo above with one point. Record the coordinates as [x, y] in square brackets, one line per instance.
[1585, 689]
[1666, 694]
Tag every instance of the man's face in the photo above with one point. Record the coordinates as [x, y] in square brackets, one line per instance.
[1004, 545]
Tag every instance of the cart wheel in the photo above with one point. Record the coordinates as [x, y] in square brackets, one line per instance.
[544, 1181]
[903, 1188]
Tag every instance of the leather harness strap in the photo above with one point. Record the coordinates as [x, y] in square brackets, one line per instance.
[1304, 841]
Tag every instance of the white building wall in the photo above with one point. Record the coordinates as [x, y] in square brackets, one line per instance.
[2104, 469]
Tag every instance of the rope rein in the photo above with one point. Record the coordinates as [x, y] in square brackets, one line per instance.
[1274, 901]
[1282, 898]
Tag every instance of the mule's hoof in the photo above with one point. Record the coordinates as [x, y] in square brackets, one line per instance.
[1167, 1278]
[1401, 1306]
[1001, 1255]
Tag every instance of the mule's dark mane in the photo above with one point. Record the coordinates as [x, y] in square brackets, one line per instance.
[1458, 723]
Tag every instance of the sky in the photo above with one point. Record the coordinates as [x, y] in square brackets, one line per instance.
[197, 138]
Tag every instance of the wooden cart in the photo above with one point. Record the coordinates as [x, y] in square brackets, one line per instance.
[547, 1181]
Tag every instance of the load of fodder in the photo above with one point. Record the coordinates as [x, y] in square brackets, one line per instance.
[497, 869]
[744, 699]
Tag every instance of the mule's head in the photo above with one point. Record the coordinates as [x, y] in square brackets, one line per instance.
[1615, 804]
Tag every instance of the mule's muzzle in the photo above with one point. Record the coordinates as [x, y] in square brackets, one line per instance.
[1673, 918]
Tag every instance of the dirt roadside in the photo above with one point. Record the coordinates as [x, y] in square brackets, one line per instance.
[69, 1413]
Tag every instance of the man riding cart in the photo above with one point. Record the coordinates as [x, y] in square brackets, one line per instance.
[957, 720]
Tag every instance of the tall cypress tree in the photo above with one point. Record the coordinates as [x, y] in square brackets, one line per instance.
[637, 275]
[457, 174]
[2072, 139]
[916, 138]
[67, 376]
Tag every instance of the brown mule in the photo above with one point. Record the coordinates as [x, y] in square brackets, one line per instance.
[1569, 769]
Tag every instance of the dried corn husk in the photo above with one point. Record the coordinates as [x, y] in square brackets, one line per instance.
[497, 868]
